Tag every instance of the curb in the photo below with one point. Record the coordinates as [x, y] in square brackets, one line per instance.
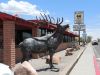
[75, 62]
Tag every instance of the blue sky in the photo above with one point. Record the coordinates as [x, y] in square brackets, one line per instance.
[28, 9]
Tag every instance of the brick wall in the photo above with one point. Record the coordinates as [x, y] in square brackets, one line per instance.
[34, 31]
[1, 37]
[9, 43]
[62, 46]
[1, 43]
[18, 55]
[1, 55]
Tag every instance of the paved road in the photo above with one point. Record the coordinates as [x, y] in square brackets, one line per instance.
[97, 55]
[85, 65]
[97, 50]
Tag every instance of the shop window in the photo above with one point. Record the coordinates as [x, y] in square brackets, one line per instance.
[49, 31]
[65, 38]
[43, 32]
[46, 31]
[21, 35]
[26, 35]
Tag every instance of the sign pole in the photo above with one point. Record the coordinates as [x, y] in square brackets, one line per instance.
[79, 34]
[79, 20]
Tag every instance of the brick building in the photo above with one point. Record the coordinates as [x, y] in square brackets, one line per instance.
[14, 29]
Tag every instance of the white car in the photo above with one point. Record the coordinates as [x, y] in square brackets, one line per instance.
[5, 70]
[94, 42]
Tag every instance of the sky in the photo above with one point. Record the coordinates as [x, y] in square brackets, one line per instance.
[29, 9]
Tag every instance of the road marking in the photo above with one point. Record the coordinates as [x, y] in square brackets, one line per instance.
[97, 69]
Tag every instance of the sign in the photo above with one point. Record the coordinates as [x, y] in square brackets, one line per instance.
[79, 27]
[79, 17]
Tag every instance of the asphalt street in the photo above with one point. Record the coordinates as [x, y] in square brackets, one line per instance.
[97, 50]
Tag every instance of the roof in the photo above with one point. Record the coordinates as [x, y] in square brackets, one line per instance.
[18, 21]
[71, 34]
[29, 23]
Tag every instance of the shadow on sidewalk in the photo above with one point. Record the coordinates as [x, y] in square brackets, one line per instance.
[45, 69]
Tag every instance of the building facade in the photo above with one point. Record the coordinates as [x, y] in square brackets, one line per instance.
[13, 30]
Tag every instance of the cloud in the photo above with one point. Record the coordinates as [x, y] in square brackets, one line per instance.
[21, 7]
[67, 21]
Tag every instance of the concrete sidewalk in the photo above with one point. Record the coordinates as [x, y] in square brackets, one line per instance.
[67, 63]
[86, 64]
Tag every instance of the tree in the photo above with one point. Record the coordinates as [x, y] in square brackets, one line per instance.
[98, 39]
[89, 39]
[81, 39]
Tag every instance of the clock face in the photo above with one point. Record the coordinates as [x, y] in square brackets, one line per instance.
[78, 18]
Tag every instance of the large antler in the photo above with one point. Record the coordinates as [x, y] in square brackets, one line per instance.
[42, 21]
[46, 19]
[59, 21]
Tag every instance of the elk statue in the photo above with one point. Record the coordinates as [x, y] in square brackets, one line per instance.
[49, 42]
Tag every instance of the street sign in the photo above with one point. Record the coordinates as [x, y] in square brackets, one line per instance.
[79, 27]
[79, 17]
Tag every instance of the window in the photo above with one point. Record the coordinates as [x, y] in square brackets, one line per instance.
[26, 35]
[20, 35]
[65, 38]
[43, 32]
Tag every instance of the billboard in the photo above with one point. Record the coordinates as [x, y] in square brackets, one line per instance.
[79, 17]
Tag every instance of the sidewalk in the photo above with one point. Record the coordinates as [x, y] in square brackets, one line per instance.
[85, 65]
[67, 63]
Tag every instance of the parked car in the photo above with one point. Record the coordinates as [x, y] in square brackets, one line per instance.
[94, 42]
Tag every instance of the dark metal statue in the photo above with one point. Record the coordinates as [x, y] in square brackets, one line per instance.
[45, 43]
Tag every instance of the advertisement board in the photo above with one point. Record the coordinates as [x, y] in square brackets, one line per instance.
[79, 17]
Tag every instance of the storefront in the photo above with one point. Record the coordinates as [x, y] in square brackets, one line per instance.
[13, 30]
